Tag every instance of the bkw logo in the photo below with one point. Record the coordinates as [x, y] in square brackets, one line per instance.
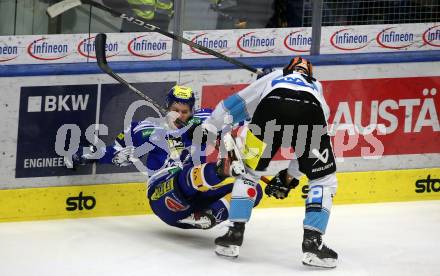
[58, 103]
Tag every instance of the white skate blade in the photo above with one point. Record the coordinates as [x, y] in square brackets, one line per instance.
[231, 251]
[311, 259]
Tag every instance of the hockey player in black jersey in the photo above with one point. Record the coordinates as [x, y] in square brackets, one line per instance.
[292, 98]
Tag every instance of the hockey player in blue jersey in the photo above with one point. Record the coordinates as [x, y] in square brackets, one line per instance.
[183, 192]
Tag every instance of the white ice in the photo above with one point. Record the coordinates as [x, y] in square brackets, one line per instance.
[371, 239]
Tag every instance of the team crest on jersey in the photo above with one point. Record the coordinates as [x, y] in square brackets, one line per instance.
[294, 81]
[174, 205]
[162, 189]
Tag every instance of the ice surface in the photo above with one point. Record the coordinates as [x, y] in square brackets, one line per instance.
[371, 239]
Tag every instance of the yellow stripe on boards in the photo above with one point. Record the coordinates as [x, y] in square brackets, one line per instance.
[73, 202]
[371, 187]
[130, 198]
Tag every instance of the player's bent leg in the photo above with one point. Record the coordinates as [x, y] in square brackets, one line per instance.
[176, 208]
[245, 194]
[203, 178]
[167, 202]
[209, 213]
[220, 209]
[246, 189]
[208, 195]
[318, 206]
[202, 186]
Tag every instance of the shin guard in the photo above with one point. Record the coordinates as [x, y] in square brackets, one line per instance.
[243, 199]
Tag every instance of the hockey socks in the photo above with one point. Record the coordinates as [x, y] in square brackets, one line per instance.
[244, 196]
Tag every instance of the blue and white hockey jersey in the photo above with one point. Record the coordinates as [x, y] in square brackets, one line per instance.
[164, 147]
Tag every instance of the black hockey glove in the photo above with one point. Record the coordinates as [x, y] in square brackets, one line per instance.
[278, 187]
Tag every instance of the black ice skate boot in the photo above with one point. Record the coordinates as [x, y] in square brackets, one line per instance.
[316, 253]
[201, 220]
[229, 244]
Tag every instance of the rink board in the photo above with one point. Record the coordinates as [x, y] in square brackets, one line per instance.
[130, 198]
[402, 97]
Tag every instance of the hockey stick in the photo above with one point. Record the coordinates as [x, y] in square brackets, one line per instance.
[232, 147]
[101, 59]
[65, 5]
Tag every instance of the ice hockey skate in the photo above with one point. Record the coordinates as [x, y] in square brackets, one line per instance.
[316, 253]
[229, 244]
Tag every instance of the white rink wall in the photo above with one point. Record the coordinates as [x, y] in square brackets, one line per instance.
[425, 155]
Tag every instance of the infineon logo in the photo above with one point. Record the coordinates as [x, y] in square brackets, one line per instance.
[7, 52]
[86, 48]
[346, 40]
[144, 48]
[391, 39]
[58, 103]
[299, 41]
[42, 49]
[219, 45]
[252, 44]
[432, 36]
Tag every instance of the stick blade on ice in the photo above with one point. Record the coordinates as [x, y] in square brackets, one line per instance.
[61, 7]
